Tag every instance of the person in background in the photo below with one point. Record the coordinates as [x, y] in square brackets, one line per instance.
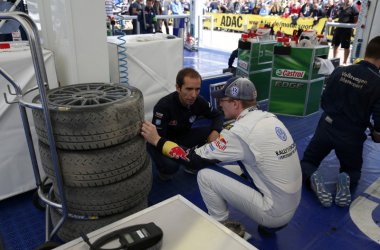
[307, 9]
[157, 8]
[177, 9]
[317, 13]
[230, 6]
[332, 9]
[134, 10]
[215, 6]
[347, 13]
[264, 150]
[186, 6]
[125, 7]
[237, 7]
[295, 11]
[165, 11]
[358, 5]
[276, 8]
[286, 12]
[147, 18]
[350, 99]
[264, 10]
[251, 5]
[174, 116]
[256, 9]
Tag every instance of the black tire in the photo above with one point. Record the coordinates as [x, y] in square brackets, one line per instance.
[91, 115]
[71, 228]
[109, 199]
[97, 167]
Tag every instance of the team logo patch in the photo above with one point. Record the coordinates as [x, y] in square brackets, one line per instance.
[158, 115]
[192, 118]
[173, 122]
[211, 147]
[158, 122]
[220, 143]
[229, 126]
[281, 133]
[234, 91]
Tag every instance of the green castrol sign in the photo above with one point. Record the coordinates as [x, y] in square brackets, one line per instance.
[288, 73]
[294, 66]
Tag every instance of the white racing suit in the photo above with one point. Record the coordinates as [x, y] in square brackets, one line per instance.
[269, 158]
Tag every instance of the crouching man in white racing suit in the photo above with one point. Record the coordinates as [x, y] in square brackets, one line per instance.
[264, 150]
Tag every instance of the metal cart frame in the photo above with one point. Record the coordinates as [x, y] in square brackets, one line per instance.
[42, 85]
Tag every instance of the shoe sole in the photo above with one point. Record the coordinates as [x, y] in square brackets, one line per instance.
[318, 186]
[343, 196]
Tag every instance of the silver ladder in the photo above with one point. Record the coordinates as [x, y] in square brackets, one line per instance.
[42, 85]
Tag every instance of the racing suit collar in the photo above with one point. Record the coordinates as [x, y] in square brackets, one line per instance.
[246, 111]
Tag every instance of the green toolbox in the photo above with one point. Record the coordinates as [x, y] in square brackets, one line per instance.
[296, 86]
[255, 61]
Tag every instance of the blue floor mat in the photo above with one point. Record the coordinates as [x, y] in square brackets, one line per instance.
[313, 226]
[22, 226]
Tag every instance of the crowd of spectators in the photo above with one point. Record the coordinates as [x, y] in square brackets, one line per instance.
[285, 8]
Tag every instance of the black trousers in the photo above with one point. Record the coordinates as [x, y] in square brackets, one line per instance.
[348, 146]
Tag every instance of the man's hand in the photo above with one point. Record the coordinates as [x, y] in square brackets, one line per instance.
[149, 132]
[213, 136]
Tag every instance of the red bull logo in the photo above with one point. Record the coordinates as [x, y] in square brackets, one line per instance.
[178, 153]
[290, 73]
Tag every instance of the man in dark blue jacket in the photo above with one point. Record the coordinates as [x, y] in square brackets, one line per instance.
[174, 116]
[147, 18]
[350, 100]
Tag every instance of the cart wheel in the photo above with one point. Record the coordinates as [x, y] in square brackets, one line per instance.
[48, 245]
[37, 202]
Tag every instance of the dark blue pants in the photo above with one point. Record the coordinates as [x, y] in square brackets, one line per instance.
[168, 166]
[348, 147]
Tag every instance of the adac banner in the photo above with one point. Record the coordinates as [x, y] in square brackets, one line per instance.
[242, 22]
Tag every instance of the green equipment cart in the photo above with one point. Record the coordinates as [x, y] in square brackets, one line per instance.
[255, 61]
[296, 86]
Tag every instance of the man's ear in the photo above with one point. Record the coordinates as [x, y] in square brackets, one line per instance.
[177, 87]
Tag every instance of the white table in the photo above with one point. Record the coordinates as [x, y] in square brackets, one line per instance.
[153, 62]
[184, 225]
[16, 172]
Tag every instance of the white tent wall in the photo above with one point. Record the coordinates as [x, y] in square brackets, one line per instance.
[367, 27]
[76, 32]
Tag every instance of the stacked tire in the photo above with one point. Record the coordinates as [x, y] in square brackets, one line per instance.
[105, 168]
